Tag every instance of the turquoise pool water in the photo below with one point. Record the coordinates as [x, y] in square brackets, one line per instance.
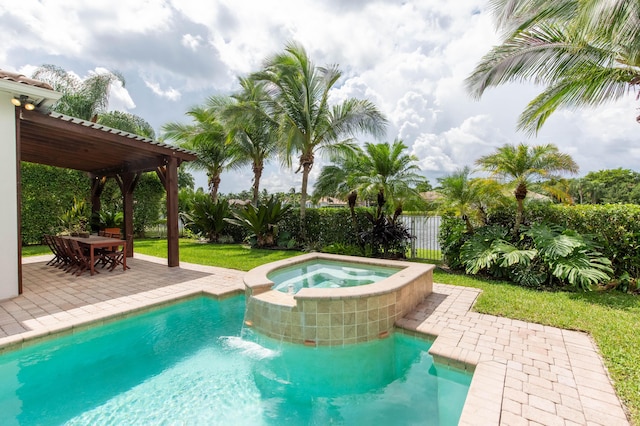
[188, 364]
[327, 274]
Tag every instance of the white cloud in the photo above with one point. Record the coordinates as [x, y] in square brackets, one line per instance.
[170, 93]
[409, 58]
[191, 41]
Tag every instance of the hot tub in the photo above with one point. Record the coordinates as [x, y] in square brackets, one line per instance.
[329, 315]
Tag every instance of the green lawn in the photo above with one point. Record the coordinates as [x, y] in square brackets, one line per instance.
[612, 318]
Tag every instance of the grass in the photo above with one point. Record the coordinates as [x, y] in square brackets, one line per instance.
[232, 256]
[611, 318]
[35, 250]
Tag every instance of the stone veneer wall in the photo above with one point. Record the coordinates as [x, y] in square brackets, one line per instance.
[335, 317]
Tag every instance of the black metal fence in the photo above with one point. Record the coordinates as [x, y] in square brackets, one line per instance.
[425, 229]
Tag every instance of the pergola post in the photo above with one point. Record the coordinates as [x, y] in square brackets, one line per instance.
[97, 186]
[128, 182]
[168, 175]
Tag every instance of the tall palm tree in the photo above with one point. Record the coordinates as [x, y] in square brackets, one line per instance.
[518, 166]
[378, 166]
[85, 99]
[252, 130]
[585, 52]
[307, 122]
[207, 137]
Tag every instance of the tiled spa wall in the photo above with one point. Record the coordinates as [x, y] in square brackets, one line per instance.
[328, 321]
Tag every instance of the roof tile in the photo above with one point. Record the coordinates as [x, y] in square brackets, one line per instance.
[19, 78]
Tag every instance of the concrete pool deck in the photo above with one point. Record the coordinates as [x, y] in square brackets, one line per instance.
[525, 374]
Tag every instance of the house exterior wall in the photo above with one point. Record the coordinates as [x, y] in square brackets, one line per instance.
[9, 196]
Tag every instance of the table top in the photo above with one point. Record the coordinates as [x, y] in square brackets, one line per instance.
[96, 240]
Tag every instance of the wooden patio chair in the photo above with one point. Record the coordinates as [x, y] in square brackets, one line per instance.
[58, 257]
[116, 257]
[81, 262]
[65, 254]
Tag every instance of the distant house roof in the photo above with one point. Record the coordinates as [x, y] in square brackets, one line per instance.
[19, 78]
[430, 195]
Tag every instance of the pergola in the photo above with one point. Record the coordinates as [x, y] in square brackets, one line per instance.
[58, 140]
[29, 132]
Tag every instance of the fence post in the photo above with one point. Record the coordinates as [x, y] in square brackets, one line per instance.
[414, 252]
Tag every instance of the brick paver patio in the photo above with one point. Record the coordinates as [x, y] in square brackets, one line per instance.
[524, 373]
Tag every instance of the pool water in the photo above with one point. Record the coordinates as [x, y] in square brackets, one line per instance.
[327, 274]
[188, 364]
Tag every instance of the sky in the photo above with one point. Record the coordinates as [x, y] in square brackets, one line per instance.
[409, 57]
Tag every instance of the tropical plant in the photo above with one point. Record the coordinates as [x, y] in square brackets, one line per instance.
[110, 218]
[207, 137]
[307, 122]
[378, 166]
[468, 197]
[76, 218]
[85, 99]
[586, 53]
[518, 166]
[548, 253]
[252, 130]
[206, 217]
[387, 236]
[261, 221]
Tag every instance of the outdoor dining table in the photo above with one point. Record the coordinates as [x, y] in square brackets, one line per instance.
[96, 241]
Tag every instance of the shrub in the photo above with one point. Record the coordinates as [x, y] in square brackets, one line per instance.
[615, 228]
[206, 218]
[546, 254]
[261, 222]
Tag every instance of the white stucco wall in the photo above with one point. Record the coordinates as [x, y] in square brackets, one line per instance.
[8, 200]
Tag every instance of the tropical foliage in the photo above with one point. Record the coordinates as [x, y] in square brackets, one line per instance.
[386, 236]
[261, 221]
[206, 136]
[307, 123]
[469, 198]
[381, 166]
[206, 218]
[585, 53]
[520, 166]
[607, 187]
[252, 130]
[547, 253]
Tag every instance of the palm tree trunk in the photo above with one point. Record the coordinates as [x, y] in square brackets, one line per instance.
[214, 184]
[303, 200]
[521, 194]
[257, 174]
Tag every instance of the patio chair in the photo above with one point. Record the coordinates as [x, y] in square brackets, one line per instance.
[65, 254]
[58, 257]
[81, 262]
[116, 257]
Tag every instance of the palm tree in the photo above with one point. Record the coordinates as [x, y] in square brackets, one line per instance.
[85, 99]
[517, 166]
[468, 196]
[586, 53]
[378, 166]
[207, 137]
[307, 123]
[252, 131]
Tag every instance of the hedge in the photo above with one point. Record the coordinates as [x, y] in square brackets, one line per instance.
[614, 227]
[47, 192]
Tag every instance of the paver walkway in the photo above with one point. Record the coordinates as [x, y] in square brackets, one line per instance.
[524, 374]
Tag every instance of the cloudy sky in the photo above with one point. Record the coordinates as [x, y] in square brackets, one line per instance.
[409, 57]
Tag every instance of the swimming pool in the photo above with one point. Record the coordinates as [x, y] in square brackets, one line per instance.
[191, 363]
[327, 274]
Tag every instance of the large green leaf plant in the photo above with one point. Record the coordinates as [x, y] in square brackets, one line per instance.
[544, 255]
